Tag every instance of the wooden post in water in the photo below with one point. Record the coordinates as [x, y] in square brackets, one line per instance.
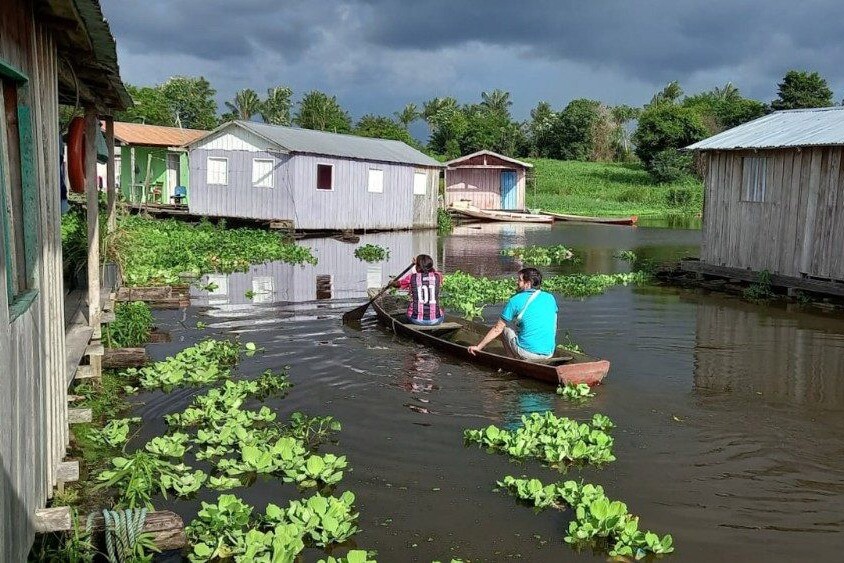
[92, 126]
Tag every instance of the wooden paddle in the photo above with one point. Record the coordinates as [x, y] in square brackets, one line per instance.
[357, 313]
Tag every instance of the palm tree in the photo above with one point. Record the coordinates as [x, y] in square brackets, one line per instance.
[497, 101]
[246, 104]
[727, 93]
[432, 107]
[276, 108]
[670, 94]
[408, 115]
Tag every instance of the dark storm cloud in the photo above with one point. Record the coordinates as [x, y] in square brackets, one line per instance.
[378, 54]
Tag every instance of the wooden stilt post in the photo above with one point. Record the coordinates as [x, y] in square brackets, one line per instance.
[110, 181]
[92, 126]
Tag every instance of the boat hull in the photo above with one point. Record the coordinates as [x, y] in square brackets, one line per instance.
[584, 219]
[579, 369]
[500, 215]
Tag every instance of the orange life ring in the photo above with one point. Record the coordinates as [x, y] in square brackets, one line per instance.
[76, 154]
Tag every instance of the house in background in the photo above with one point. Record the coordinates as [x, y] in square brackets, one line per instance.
[486, 180]
[153, 160]
[312, 179]
[774, 198]
[50, 52]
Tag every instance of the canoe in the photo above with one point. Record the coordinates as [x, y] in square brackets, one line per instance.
[503, 215]
[455, 334]
[584, 219]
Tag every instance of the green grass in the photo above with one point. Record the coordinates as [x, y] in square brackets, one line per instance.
[608, 189]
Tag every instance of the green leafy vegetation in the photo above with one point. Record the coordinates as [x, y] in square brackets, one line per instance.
[541, 255]
[114, 434]
[205, 362]
[576, 393]
[596, 518]
[761, 289]
[74, 242]
[131, 326]
[468, 294]
[609, 189]
[372, 253]
[557, 441]
[445, 223]
[626, 255]
[156, 252]
[139, 475]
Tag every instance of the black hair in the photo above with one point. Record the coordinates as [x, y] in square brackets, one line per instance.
[532, 275]
[424, 264]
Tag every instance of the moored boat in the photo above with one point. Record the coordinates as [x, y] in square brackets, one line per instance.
[503, 215]
[455, 334]
[585, 219]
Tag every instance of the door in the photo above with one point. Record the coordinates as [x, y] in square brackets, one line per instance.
[172, 176]
[508, 189]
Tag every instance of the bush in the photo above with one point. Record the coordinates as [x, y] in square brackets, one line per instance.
[666, 126]
[670, 165]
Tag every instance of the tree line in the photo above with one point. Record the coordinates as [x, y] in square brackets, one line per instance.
[584, 129]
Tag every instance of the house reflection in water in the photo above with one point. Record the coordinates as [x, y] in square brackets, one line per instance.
[788, 356]
[337, 275]
[475, 248]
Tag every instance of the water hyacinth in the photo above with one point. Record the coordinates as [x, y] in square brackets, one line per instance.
[541, 255]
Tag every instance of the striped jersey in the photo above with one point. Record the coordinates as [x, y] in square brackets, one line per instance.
[424, 292]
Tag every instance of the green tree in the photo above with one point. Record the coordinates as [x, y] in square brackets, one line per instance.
[319, 111]
[381, 127]
[723, 108]
[489, 129]
[497, 102]
[150, 106]
[666, 126]
[245, 105]
[408, 115]
[191, 99]
[432, 107]
[671, 93]
[539, 129]
[276, 107]
[447, 123]
[572, 131]
[802, 89]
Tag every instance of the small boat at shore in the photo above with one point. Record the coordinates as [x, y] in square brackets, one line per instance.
[455, 334]
[502, 215]
[585, 219]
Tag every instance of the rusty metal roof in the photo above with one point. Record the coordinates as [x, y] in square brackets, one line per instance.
[155, 135]
[782, 129]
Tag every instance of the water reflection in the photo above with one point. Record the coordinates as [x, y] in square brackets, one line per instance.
[784, 355]
[338, 274]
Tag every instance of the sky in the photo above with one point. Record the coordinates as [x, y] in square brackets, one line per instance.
[378, 55]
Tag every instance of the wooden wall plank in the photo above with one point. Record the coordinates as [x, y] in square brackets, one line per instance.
[810, 207]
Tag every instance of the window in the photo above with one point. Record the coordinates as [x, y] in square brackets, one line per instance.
[18, 191]
[324, 287]
[754, 185]
[374, 275]
[324, 177]
[420, 183]
[218, 171]
[262, 172]
[376, 181]
[263, 289]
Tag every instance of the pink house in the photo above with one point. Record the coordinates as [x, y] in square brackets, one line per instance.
[486, 180]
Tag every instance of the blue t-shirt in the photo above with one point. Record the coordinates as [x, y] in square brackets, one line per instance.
[537, 331]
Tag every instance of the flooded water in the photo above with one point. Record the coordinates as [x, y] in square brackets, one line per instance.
[730, 416]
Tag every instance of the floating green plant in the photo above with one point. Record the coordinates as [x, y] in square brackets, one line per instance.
[626, 255]
[541, 255]
[372, 253]
[204, 362]
[577, 393]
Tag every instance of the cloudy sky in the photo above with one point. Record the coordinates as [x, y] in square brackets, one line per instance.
[377, 55]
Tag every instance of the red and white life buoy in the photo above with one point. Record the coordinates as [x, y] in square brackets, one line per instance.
[76, 154]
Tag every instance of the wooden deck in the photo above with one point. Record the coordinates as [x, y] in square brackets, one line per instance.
[824, 287]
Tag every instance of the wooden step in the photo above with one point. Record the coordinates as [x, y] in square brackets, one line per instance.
[84, 372]
[95, 348]
[77, 416]
[107, 317]
[52, 519]
[68, 471]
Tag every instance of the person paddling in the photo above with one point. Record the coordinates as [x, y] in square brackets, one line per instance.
[423, 285]
[534, 314]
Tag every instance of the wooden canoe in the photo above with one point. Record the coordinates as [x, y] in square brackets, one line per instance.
[502, 215]
[584, 219]
[456, 334]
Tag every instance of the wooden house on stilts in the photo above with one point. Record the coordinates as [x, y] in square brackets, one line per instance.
[774, 200]
[486, 180]
[50, 51]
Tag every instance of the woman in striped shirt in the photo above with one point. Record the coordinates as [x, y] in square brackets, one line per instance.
[423, 285]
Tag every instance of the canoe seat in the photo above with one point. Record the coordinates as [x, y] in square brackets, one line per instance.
[435, 328]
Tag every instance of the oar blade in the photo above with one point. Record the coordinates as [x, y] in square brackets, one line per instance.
[355, 314]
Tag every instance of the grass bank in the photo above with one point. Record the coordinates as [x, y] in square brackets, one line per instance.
[157, 251]
[607, 189]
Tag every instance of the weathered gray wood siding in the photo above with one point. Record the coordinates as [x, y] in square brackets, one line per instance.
[33, 389]
[294, 195]
[798, 231]
[240, 198]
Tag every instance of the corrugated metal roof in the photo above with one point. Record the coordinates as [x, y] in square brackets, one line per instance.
[309, 141]
[155, 135]
[782, 129]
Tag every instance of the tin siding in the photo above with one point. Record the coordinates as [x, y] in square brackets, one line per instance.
[350, 205]
[239, 198]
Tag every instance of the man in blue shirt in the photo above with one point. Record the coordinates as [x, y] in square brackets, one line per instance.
[534, 314]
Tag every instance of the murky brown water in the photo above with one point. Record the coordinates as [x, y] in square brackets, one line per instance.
[730, 416]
